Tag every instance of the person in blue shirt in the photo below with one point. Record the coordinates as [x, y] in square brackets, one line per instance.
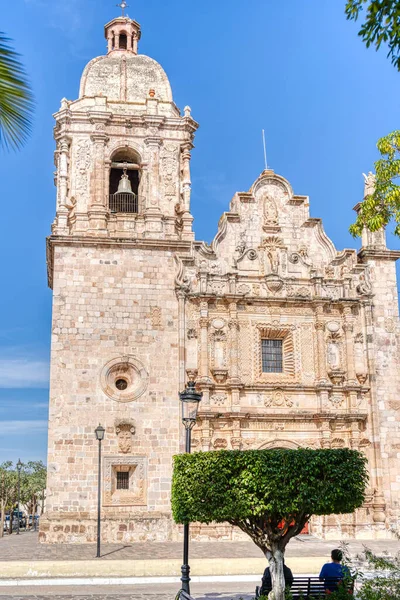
[334, 572]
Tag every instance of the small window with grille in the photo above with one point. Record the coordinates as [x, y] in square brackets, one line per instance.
[271, 356]
[122, 480]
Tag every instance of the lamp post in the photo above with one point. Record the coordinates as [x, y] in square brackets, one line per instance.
[99, 432]
[19, 467]
[190, 400]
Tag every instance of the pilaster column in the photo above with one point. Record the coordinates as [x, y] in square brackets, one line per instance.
[152, 213]
[348, 330]
[236, 439]
[204, 380]
[234, 382]
[206, 435]
[135, 43]
[97, 210]
[109, 41]
[181, 335]
[321, 349]
[187, 218]
[62, 183]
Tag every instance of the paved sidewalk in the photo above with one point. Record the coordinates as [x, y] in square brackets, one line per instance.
[27, 547]
[201, 591]
[22, 558]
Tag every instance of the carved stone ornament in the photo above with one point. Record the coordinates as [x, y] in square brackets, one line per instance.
[336, 376]
[125, 432]
[369, 184]
[270, 210]
[191, 333]
[278, 399]
[274, 283]
[219, 399]
[220, 375]
[220, 444]
[336, 399]
[362, 377]
[124, 379]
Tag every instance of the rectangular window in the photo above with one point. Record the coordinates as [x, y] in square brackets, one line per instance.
[271, 356]
[122, 480]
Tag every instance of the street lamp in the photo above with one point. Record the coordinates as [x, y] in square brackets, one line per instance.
[19, 467]
[190, 400]
[99, 432]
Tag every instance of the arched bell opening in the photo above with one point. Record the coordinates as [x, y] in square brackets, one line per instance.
[123, 41]
[124, 182]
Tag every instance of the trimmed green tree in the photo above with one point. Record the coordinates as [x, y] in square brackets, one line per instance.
[268, 494]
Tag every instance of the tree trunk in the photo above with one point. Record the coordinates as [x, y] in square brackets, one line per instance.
[275, 559]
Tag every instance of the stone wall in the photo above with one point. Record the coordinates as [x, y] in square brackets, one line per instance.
[114, 316]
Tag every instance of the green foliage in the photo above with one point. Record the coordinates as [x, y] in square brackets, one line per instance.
[383, 205]
[16, 101]
[267, 485]
[385, 585]
[381, 24]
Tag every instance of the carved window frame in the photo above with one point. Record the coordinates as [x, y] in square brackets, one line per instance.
[137, 467]
[276, 332]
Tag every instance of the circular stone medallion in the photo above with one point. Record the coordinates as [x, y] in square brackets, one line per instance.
[124, 379]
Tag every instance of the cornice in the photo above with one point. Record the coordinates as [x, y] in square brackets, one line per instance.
[87, 241]
[282, 416]
[366, 254]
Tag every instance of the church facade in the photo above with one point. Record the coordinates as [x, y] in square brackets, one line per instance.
[292, 342]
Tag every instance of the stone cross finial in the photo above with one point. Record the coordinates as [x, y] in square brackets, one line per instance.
[123, 5]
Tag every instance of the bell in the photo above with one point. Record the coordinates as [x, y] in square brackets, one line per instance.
[124, 186]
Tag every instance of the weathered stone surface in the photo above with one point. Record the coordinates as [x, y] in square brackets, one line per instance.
[138, 306]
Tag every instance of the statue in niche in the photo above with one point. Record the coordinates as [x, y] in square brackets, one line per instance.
[270, 211]
[333, 355]
[273, 256]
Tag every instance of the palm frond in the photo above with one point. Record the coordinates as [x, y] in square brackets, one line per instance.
[16, 99]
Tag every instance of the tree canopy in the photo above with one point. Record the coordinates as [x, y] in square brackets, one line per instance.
[16, 100]
[383, 204]
[268, 494]
[381, 24]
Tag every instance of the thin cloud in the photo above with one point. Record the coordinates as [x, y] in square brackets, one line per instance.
[22, 427]
[23, 373]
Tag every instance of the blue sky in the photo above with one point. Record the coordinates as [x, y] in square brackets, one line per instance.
[296, 69]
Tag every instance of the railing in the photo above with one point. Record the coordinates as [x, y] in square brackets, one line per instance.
[123, 203]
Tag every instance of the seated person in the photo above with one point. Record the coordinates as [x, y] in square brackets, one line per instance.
[334, 572]
[266, 582]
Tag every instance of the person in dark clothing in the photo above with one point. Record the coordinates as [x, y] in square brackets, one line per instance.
[334, 572]
[266, 582]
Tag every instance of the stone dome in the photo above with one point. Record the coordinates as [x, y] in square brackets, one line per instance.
[125, 77]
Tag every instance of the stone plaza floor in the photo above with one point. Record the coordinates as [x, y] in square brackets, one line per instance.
[27, 547]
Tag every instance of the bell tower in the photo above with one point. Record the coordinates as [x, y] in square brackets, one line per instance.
[122, 215]
[124, 118]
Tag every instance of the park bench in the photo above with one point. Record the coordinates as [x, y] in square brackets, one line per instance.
[307, 588]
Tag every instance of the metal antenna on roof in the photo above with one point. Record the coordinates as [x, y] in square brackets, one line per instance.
[265, 150]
